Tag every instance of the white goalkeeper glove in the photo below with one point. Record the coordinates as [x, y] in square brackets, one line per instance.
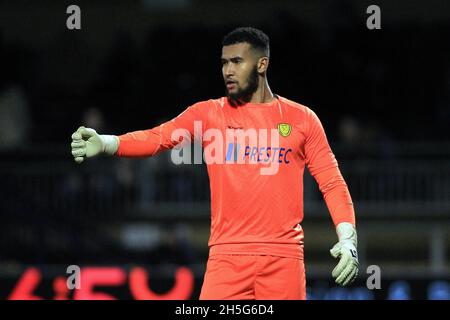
[346, 270]
[87, 143]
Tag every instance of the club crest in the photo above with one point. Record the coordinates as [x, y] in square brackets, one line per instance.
[284, 129]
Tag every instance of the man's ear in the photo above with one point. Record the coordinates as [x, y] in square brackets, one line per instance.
[263, 64]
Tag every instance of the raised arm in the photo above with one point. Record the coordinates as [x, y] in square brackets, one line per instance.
[87, 143]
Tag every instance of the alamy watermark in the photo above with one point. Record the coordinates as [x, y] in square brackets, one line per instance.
[74, 278]
[374, 20]
[233, 146]
[74, 20]
[374, 280]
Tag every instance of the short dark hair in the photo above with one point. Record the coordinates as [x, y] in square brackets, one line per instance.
[255, 37]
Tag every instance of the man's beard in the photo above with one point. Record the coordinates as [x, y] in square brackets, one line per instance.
[245, 95]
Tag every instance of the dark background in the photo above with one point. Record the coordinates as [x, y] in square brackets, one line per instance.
[383, 97]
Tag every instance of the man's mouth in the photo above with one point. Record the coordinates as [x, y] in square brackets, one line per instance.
[230, 84]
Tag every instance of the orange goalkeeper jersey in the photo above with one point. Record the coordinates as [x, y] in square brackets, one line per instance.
[254, 211]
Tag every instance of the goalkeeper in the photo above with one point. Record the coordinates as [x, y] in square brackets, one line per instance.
[256, 241]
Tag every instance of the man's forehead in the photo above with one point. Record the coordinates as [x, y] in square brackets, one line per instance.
[236, 50]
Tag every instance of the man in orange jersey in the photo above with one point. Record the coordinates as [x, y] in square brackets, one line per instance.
[256, 145]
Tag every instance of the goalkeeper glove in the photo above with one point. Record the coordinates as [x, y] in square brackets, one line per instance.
[87, 143]
[346, 270]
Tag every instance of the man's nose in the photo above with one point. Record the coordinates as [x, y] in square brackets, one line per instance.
[229, 70]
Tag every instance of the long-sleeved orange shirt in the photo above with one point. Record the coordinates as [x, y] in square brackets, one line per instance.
[251, 212]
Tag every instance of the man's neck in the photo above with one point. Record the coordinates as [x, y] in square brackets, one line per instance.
[263, 94]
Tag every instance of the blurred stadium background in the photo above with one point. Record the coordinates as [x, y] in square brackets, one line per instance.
[139, 228]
